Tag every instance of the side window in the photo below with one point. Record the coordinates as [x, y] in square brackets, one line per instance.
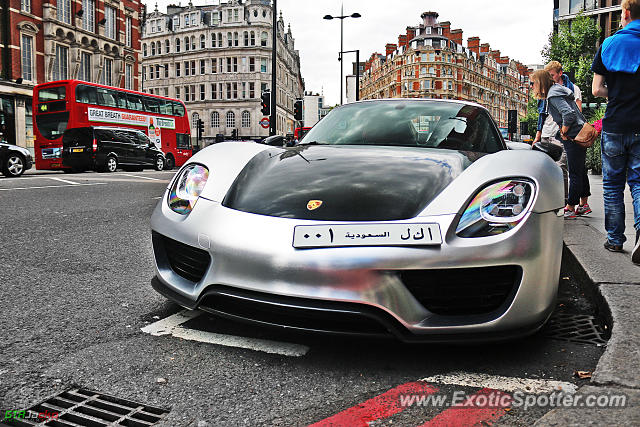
[183, 141]
[164, 106]
[126, 137]
[121, 99]
[105, 97]
[134, 102]
[142, 139]
[104, 135]
[178, 109]
[86, 94]
[151, 105]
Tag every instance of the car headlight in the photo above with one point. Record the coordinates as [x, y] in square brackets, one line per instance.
[497, 208]
[187, 187]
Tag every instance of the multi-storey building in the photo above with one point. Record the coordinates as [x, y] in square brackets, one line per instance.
[430, 61]
[314, 109]
[217, 59]
[605, 12]
[45, 40]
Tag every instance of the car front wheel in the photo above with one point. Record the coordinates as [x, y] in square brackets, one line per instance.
[159, 164]
[111, 164]
[13, 166]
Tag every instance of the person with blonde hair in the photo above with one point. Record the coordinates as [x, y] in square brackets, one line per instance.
[616, 69]
[562, 108]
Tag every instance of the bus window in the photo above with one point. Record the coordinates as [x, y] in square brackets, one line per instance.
[151, 105]
[52, 94]
[86, 94]
[121, 99]
[165, 107]
[183, 141]
[105, 97]
[134, 102]
[178, 109]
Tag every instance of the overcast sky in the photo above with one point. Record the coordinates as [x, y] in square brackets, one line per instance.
[518, 28]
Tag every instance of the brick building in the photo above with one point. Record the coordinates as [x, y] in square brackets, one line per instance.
[217, 60]
[430, 61]
[607, 14]
[47, 40]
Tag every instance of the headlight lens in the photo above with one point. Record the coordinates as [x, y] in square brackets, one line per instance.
[186, 188]
[497, 208]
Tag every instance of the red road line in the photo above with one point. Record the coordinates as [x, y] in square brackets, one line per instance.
[376, 408]
[469, 414]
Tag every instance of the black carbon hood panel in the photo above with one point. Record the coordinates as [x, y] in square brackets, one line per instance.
[354, 183]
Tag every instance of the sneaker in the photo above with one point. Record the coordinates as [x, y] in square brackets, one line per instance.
[568, 214]
[613, 248]
[583, 210]
[635, 254]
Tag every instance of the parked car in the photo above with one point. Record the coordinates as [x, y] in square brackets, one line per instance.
[14, 160]
[408, 217]
[107, 148]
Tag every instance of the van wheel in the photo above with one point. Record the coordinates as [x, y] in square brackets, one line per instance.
[13, 166]
[110, 165]
[170, 163]
[159, 164]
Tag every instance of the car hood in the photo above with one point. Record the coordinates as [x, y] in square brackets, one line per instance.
[17, 148]
[348, 183]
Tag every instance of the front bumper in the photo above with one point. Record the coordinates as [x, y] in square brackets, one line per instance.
[253, 254]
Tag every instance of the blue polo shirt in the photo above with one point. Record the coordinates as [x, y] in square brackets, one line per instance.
[623, 109]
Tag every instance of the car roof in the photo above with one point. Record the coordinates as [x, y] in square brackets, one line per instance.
[455, 101]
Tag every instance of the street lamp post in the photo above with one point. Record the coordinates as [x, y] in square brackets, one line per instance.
[357, 51]
[341, 18]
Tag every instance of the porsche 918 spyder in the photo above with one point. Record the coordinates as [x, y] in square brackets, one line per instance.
[403, 217]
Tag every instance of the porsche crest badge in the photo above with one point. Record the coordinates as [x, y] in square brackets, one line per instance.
[314, 204]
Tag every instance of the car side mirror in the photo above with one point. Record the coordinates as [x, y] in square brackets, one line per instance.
[274, 140]
[552, 150]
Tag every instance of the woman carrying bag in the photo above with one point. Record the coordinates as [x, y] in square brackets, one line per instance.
[564, 111]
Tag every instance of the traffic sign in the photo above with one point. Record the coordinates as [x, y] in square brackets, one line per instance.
[264, 122]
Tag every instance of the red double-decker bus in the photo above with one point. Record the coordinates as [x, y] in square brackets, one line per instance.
[66, 104]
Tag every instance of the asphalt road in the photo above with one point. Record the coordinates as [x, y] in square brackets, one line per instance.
[75, 268]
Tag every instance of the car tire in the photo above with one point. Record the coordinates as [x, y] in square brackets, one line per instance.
[159, 164]
[110, 164]
[13, 166]
[169, 163]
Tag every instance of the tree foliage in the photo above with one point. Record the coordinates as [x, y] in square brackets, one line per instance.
[575, 46]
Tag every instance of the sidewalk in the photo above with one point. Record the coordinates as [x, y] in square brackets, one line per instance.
[615, 284]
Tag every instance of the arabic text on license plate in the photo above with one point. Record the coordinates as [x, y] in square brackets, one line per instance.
[374, 234]
[78, 150]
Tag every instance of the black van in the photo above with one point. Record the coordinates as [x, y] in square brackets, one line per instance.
[107, 148]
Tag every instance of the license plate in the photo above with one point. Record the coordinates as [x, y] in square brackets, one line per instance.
[77, 150]
[375, 234]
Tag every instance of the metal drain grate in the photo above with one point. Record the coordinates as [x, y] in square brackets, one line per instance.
[80, 407]
[578, 328]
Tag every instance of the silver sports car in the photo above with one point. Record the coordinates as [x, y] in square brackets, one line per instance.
[404, 217]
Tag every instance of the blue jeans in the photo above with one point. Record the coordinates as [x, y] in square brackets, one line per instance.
[578, 178]
[620, 164]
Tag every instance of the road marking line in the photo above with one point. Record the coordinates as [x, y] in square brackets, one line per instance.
[65, 181]
[171, 326]
[141, 177]
[497, 382]
[51, 186]
[377, 408]
[467, 414]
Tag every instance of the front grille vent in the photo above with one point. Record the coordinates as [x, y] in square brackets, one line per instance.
[463, 291]
[185, 260]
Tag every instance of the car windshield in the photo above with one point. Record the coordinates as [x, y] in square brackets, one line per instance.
[434, 124]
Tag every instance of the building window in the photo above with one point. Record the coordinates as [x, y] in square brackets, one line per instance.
[177, 93]
[167, 46]
[194, 120]
[64, 11]
[193, 92]
[193, 68]
[186, 20]
[193, 43]
[214, 65]
[235, 64]
[25, 5]
[229, 91]
[215, 18]
[235, 15]
[231, 119]
[263, 65]
[177, 69]
[177, 45]
[252, 87]
[263, 38]
[157, 71]
[159, 48]
[110, 23]
[215, 120]
[246, 119]
[219, 39]
[202, 66]
[187, 91]
[220, 92]
[108, 70]
[186, 43]
[128, 76]
[213, 40]
[27, 57]
[85, 67]
[229, 40]
[253, 38]
[214, 94]
[127, 35]
[252, 64]
[203, 42]
[153, 49]
[61, 63]
[89, 15]
[228, 65]
[166, 71]
[235, 39]
[235, 90]
[202, 93]
[246, 38]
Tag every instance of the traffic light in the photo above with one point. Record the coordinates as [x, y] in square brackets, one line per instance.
[234, 134]
[200, 128]
[512, 121]
[266, 103]
[298, 107]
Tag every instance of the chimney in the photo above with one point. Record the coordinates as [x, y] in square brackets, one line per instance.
[473, 43]
[430, 19]
[446, 29]
[485, 48]
[495, 54]
[402, 40]
[503, 60]
[390, 48]
[456, 36]
[411, 33]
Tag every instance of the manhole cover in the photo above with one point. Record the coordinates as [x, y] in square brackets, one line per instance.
[80, 407]
[578, 328]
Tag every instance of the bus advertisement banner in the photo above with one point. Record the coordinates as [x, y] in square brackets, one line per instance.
[153, 124]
